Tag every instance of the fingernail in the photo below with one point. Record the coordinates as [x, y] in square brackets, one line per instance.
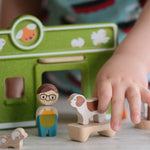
[136, 118]
[116, 126]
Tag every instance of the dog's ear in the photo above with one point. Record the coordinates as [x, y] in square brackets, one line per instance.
[15, 134]
[31, 26]
[80, 101]
[19, 34]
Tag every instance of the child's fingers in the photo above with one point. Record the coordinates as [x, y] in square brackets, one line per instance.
[95, 91]
[104, 93]
[145, 95]
[134, 100]
[117, 105]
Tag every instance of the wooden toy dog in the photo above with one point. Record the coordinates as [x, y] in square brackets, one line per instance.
[15, 140]
[85, 109]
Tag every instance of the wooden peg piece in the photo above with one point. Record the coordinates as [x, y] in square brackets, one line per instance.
[81, 133]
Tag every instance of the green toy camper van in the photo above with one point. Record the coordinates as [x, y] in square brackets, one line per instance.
[28, 49]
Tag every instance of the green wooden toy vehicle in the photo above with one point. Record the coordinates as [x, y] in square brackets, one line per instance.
[28, 49]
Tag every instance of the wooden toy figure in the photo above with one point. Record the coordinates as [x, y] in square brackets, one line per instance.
[47, 115]
[15, 140]
[87, 109]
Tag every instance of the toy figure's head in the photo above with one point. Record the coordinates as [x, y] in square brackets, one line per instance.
[47, 94]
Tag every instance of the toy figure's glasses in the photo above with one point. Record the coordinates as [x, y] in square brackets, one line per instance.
[51, 97]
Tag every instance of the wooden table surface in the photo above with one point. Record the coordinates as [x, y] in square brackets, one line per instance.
[128, 138]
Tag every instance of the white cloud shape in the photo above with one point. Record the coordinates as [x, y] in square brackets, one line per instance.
[99, 37]
[77, 42]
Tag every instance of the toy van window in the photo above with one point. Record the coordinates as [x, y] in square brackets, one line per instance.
[14, 88]
[67, 81]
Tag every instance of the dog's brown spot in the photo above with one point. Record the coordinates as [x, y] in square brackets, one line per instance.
[80, 101]
[92, 106]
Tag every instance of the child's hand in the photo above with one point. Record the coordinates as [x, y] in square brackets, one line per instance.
[122, 77]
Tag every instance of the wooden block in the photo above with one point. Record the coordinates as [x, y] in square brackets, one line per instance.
[15, 140]
[144, 124]
[85, 108]
[81, 133]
